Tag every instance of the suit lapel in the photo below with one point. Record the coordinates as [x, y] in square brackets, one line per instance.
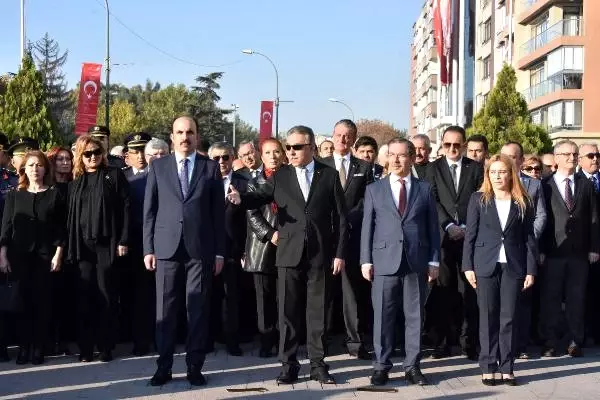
[512, 215]
[294, 184]
[492, 211]
[318, 171]
[578, 190]
[199, 165]
[445, 171]
[464, 171]
[412, 195]
[350, 174]
[556, 193]
[175, 176]
[387, 188]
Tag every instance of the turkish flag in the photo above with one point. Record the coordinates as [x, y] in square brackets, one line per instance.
[89, 96]
[266, 119]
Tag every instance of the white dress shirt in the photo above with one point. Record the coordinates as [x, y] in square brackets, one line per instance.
[137, 171]
[191, 161]
[227, 182]
[458, 169]
[256, 172]
[310, 171]
[395, 184]
[560, 183]
[503, 208]
[338, 162]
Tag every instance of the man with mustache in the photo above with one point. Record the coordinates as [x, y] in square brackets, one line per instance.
[422, 145]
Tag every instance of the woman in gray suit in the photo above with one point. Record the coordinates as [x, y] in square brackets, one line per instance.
[499, 262]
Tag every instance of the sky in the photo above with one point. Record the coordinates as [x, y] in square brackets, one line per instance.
[357, 51]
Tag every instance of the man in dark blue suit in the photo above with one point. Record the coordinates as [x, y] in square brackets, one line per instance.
[184, 240]
[400, 244]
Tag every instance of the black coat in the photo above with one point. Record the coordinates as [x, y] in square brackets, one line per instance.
[312, 227]
[235, 222]
[262, 222]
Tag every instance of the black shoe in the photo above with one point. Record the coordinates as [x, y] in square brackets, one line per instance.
[549, 352]
[509, 381]
[415, 377]
[4, 357]
[379, 378]
[322, 376]
[488, 381]
[234, 350]
[106, 356]
[574, 350]
[195, 377]
[161, 376]
[38, 357]
[287, 377]
[523, 355]
[23, 356]
[361, 354]
[62, 349]
[140, 350]
[440, 352]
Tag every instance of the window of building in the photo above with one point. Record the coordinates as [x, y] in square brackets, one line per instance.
[562, 115]
[486, 31]
[486, 67]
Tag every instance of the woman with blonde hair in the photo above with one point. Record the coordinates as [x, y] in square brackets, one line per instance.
[98, 222]
[32, 242]
[499, 261]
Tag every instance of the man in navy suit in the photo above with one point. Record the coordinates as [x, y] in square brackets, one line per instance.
[399, 252]
[184, 240]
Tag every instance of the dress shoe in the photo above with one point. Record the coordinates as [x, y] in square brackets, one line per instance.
[4, 357]
[86, 357]
[322, 376]
[509, 381]
[415, 377]
[523, 355]
[574, 350]
[488, 381]
[23, 356]
[287, 377]
[234, 350]
[161, 376]
[471, 354]
[195, 377]
[361, 354]
[379, 378]
[549, 352]
[440, 352]
[106, 356]
[38, 357]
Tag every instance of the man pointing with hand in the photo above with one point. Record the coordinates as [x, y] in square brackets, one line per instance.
[312, 237]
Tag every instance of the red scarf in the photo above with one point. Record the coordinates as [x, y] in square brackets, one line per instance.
[269, 173]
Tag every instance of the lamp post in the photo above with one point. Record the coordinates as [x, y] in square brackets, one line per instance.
[235, 108]
[107, 84]
[334, 100]
[22, 31]
[250, 52]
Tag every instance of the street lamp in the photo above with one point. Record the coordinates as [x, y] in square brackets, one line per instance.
[250, 52]
[235, 108]
[107, 84]
[334, 100]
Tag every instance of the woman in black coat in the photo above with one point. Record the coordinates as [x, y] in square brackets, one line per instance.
[32, 242]
[98, 223]
[261, 245]
[499, 261]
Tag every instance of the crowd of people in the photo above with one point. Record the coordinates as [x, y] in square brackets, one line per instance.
[297, 241]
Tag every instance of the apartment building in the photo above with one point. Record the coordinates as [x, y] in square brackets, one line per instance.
[494, 45]
[557, 59]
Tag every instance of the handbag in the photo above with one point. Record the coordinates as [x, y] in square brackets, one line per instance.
[10, 295]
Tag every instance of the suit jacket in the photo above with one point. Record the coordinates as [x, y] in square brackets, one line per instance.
[534, 189]
[387, 235]
[377, 172]
[570, 234]
[421, 170]
[309, 226]
[484, 237]
[359, 175]
[198, 219]
[235, 222]
[137, 190]
[452, 206]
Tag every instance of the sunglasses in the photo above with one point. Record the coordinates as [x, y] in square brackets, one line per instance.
[296, 147]
[224, 157]
[591, 156]
[531, 168]
[90, 153]
[456, 146]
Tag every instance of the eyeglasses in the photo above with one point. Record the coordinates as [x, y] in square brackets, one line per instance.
[533, 168]
[224, 157]
[90, 153]
[575, 155]
[456, 146]
[591, 156]
[296, 147]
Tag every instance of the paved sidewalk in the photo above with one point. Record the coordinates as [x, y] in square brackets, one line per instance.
[454, 378]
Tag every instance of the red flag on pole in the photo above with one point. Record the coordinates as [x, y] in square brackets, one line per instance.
[266, 120]
[89, 96]
[442, 24]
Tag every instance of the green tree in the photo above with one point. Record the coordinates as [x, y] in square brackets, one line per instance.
[23, 108]
[211, 118]
[506, 117]
[381, 131]
[50, 61]
[122, 120]
[157, 114]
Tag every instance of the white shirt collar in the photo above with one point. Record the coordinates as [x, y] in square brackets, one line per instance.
[450, 162]
[587, 175]
[179, 157]
[339, 157]
[310, 167]
[228, 176]
[137, 171]
[561, 178]
[396, 178]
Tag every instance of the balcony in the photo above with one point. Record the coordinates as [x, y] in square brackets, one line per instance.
[430, 110]
[529, 10]
[555, 83]
[566, 32]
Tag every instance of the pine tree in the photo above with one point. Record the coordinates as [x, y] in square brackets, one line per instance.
[506, 117]
[211, 119]
[50, 61]
[23, 107]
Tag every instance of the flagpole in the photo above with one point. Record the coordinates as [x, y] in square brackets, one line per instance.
[22, 31]
[107, 85]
